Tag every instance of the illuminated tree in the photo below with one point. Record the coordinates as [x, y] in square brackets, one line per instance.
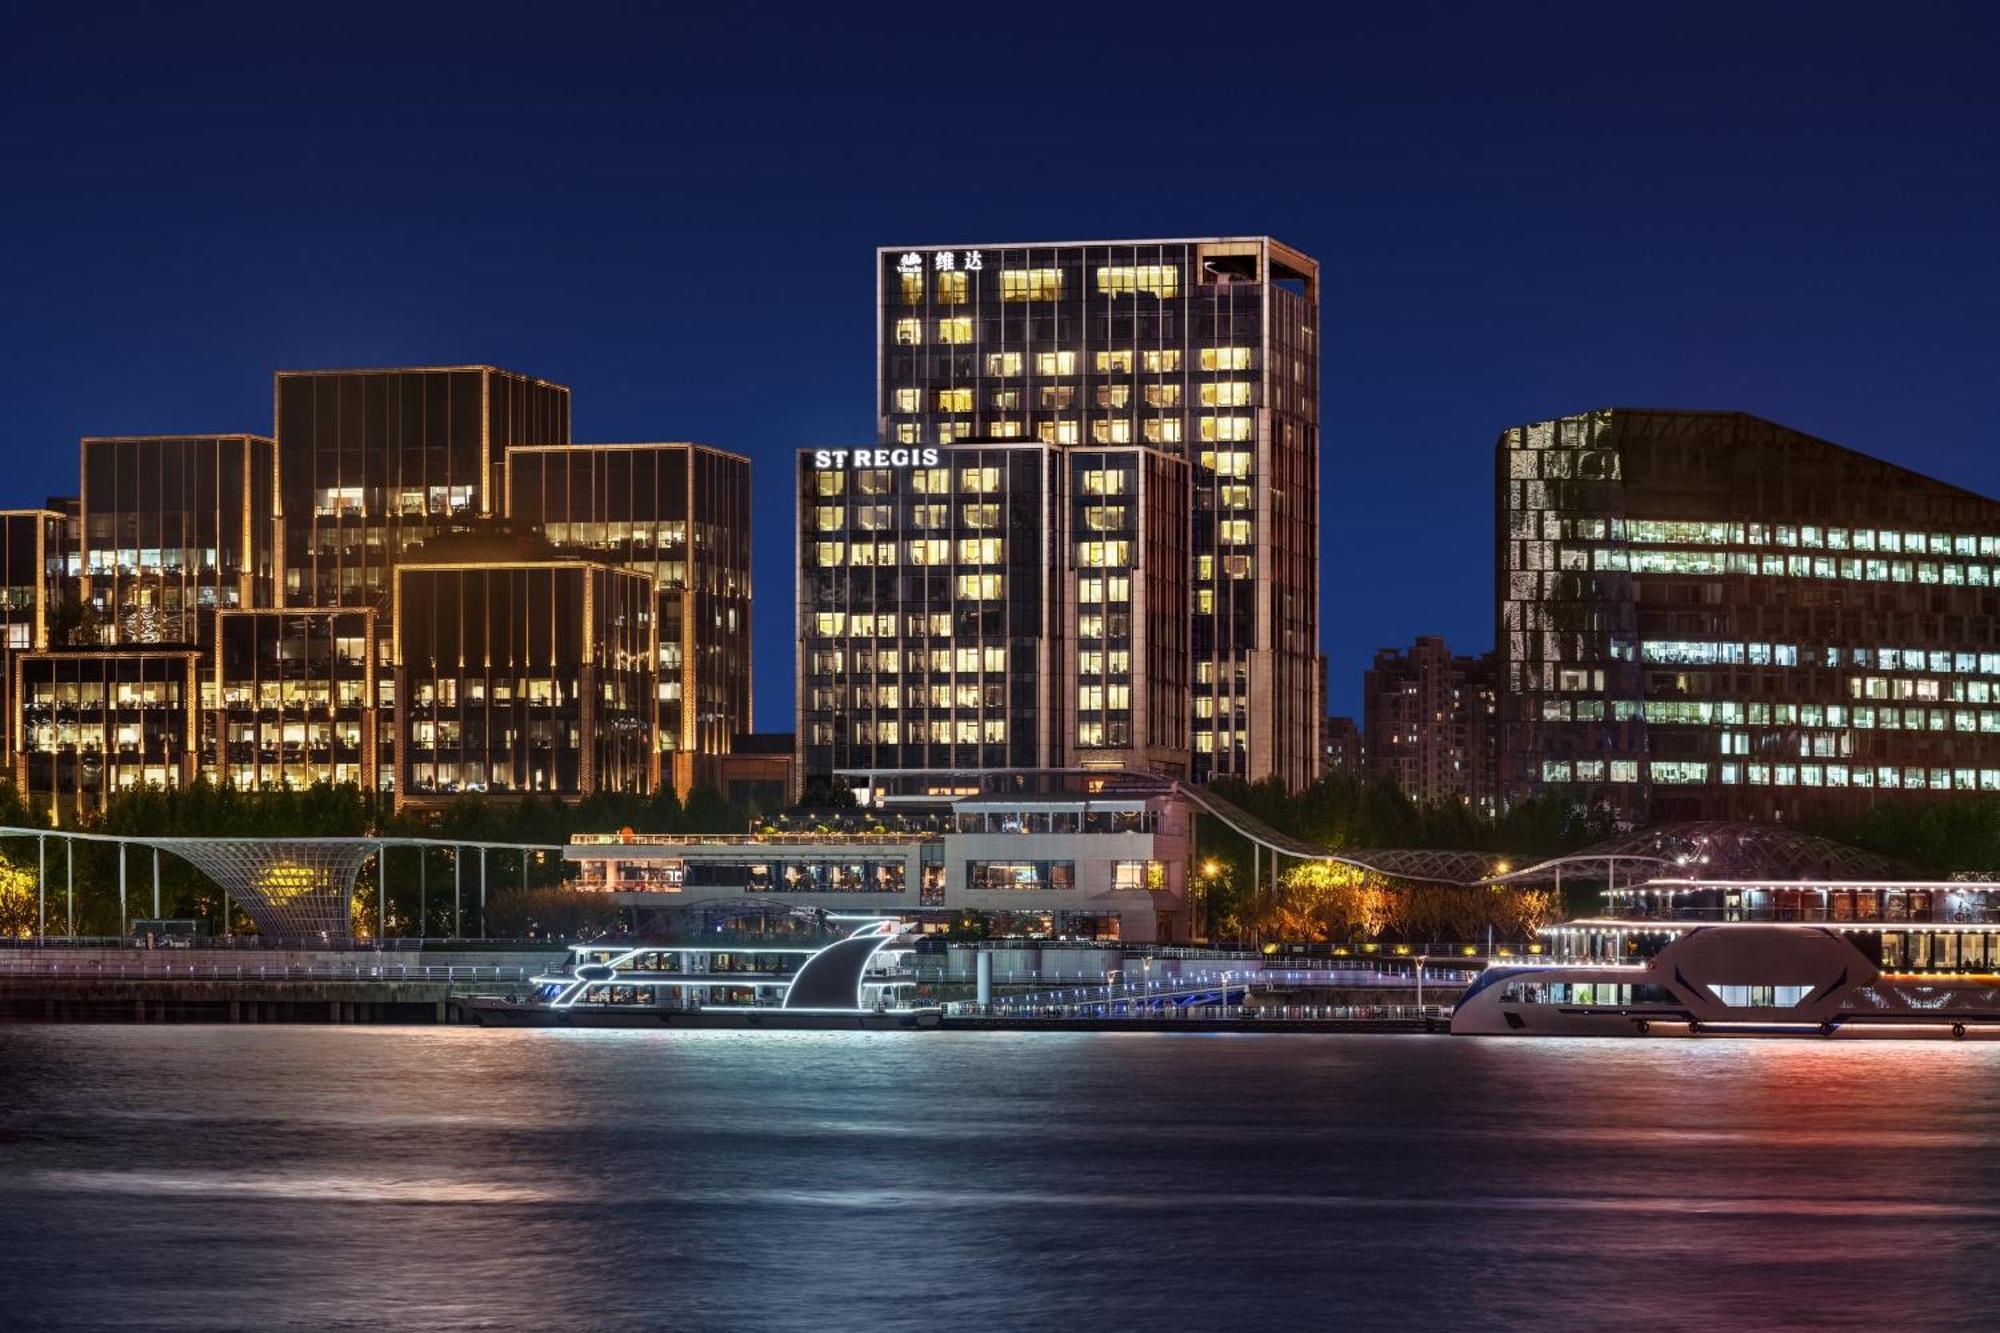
[17, 902]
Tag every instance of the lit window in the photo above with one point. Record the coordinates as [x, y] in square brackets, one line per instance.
[1161, 359]
[1229, 429]
[1119, 363]
[1003, 363]
[1110, 482]
[1226, 393]
[1004, 430]
[828, 518]
[830, 483]
[1163, 430]
[831, 553]
[956, 330]
[1111, 432]
[909, 400]
[980, 587]
[1058, 396]
[979, 551]
[1226, 462]
[1114, 395]
[1163, 280]
[1006, 400]
[979, 480]
[954, 400]
[1233, 532]
[1163, 395]
[1031, 284]
[913, 288]
[1103, 555]
[952, 288]
[982, 516]
[1055, 363]
[1057, 432]
[1225, 358]
[909, 332]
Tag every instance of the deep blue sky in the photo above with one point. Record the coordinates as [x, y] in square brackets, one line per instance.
[1521, 211]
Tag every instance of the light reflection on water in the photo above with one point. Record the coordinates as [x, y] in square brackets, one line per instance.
[312, 1178]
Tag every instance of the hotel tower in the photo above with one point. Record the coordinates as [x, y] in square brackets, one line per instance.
[1185, 372]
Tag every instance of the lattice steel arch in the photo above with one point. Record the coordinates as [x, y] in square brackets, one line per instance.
[293, 888]
[1724, 850]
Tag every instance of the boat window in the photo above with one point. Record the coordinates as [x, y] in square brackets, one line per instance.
[1761, 997]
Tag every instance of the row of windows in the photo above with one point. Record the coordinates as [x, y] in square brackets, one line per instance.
[1057, 397]
[1683, 652]
[1686, 772]
[1668, 561]
[924, 551]
[953, 285]
[938, 731]
[889, 661]
[1009, 365]
[1809, 536]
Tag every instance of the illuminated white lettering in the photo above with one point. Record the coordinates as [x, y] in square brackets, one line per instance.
[822, 458]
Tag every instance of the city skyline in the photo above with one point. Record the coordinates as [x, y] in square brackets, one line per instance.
[1468, 287]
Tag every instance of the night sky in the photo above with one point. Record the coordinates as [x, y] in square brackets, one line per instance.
[1520, 211]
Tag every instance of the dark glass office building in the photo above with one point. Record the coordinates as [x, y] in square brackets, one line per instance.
[681, 514]
[173, 528]
[373, 461]
[1709, 615]
[519, 676]
[1206, 349]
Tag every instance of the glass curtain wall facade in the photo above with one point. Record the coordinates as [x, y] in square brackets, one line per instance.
[90, 722]
[533, 677]
[286, 701]
[1125, 662]
[32, 545]
[926, 625]
[1207, 349]
[1708, 615]
[990, 605]
[681, 514]
[374, 461]
[174, 527]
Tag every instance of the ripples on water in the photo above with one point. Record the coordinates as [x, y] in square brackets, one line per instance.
[195, 1178]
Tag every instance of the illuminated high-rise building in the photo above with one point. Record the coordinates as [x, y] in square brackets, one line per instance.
[988, 605]
[1207, 350]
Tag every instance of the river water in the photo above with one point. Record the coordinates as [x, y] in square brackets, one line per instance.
[254, 1178]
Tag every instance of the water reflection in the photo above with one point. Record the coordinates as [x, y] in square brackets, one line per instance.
[257, 1178]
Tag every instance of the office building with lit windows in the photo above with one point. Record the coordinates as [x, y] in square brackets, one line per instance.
[681, 514]
[32, 549]
[88, 722]
[1206, 350]
[173, 528]
[289, 698]
[371, 462]
[989, 605]
[520, 673]
[1709, 615]
[229, 605]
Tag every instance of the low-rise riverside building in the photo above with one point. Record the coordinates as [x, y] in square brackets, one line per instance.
[1077, 854]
